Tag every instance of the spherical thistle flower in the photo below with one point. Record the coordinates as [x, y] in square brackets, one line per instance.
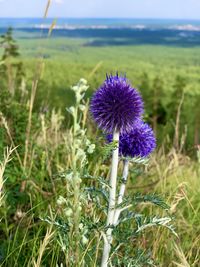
[139, 142]
[116, 105]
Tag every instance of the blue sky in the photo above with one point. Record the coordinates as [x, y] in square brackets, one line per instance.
[182, 9]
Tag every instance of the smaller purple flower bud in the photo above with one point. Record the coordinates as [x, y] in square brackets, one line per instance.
[139, 142]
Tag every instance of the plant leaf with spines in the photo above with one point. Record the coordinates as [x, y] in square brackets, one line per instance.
[155, 221]
[152, 198]
[98, 191]
[137, 160]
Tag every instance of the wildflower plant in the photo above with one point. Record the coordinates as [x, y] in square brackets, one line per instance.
[89, 199]
[80, 148]
[70, 222]
[117, 109]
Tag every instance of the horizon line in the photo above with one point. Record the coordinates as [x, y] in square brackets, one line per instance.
[101, 18]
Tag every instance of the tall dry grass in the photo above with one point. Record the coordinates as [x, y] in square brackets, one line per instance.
[6, 159]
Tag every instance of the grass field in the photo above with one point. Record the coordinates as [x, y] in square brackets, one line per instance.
[35, 223]
[176, 68]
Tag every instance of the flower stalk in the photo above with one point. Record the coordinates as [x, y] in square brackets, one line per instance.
[112, 201]
[121, 192]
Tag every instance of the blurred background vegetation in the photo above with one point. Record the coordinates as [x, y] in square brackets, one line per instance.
[36, 74]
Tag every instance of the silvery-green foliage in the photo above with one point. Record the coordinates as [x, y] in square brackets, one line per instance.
[132, 223]
[137, 160]
[80, 145]
[69, 219]
[107, 149]
[59, 223]
[144, 223]
[152, 198]
[141, 258]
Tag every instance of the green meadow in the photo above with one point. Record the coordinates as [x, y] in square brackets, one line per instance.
[34, 121]
[161, 73]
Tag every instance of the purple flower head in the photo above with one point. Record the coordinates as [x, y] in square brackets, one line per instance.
[116, 105]
[139, 142]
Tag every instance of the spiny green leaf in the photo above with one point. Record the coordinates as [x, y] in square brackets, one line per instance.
[137, 160]
[152, 198]
[58, 223]
[107, 150]
[155, 221]
[97, 191]
[99, 179]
